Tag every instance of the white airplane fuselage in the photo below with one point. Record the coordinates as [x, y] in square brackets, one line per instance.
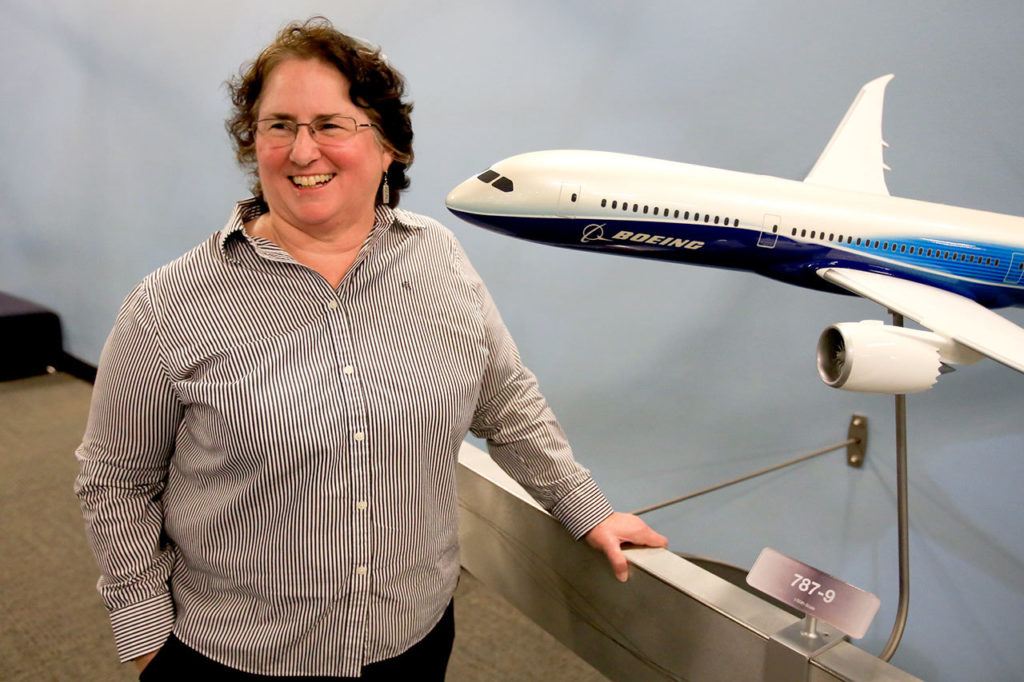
[783, 229]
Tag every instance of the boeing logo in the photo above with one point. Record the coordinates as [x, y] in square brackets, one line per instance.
[595, 233]
[643, 237]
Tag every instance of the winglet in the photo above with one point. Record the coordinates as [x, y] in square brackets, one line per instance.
[852, 159]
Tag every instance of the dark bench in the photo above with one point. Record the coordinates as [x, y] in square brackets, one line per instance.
[30, 338]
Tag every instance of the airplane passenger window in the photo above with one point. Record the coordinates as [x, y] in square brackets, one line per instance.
[615, 204]
[736, 223]
[707, 217]
[686, 216]
[716, 220]
[794, 231]
[775, 229]
[676, 214]
[487, 175]
[645, 208]
[604, 202]
[573, 197]
[635, 208]
[813, 232]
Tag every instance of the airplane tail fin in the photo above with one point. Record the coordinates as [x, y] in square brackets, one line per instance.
[852, 159]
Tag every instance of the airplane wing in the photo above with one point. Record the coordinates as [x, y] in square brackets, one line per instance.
[852, 159]
[951, 315]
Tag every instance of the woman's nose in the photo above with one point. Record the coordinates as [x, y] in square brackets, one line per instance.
[305, 150]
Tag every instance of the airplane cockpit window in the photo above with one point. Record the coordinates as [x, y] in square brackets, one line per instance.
[496, 180]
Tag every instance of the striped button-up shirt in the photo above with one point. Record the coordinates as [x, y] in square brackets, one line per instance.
[269, 463]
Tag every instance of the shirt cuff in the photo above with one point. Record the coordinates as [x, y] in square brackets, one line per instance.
[582, 509]
[142, 628]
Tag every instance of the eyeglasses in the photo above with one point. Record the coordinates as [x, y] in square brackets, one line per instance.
[325, 130]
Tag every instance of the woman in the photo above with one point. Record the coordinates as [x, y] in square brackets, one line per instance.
[268, 473]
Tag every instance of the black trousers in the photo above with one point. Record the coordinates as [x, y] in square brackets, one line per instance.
[426, 660]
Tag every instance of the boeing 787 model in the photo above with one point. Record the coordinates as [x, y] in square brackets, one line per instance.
[838, 230]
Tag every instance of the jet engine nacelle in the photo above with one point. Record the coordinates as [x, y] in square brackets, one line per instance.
[872, 357]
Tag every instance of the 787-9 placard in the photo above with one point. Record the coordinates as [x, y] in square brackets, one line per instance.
[815, 593]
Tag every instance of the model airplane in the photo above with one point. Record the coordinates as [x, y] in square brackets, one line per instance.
[839, 230]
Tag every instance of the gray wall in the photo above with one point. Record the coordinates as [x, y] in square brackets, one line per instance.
[667, 378]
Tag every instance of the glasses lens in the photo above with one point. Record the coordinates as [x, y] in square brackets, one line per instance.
[333, 129]
[278, 132]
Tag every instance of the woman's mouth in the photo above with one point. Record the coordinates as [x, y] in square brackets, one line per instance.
[310, 181]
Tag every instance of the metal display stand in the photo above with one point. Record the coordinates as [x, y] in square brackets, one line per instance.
[672, 621]
[856, 445]
[856, 450]
[903, 520]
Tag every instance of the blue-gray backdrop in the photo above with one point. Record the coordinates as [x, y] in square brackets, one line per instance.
[666, 377]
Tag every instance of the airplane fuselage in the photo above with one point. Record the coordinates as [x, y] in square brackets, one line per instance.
[783, 229]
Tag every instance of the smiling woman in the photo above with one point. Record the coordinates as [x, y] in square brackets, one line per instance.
[320, 190]
[268, 473]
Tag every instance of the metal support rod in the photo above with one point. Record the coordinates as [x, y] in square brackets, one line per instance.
[719, 486]
[903, 514]
[810, 629]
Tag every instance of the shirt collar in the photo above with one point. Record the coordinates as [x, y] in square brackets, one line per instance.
[384, 217]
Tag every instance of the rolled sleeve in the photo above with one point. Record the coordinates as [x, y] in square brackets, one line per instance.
[143, 627]
[123, 463]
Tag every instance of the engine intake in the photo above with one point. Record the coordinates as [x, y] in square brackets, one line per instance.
[872, 357]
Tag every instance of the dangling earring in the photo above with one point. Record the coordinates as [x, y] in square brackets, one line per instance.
[385, 192]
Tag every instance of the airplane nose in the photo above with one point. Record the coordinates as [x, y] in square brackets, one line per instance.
[467, 196]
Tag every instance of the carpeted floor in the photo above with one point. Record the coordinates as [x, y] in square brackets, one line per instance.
[52, 623]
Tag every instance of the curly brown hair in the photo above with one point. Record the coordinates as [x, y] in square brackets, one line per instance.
[376, 87]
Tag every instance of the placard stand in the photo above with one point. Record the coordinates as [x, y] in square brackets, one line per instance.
[791, 649]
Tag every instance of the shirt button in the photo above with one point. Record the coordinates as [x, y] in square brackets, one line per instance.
[332, 304]
[360, 570]
[359, 435]
[348, 369]
[361, 505]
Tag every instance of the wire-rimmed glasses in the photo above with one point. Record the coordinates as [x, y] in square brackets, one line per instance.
[325, 130]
